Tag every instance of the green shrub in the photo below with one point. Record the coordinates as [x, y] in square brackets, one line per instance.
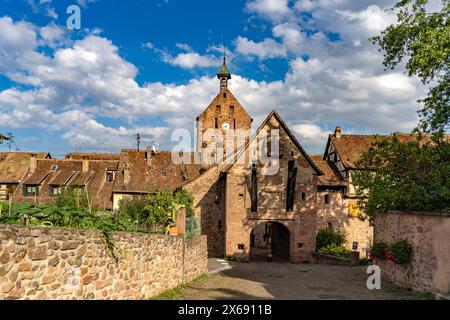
[335, 250]
[328, 236]
[400, 252]
[378, 250]
[156, 211]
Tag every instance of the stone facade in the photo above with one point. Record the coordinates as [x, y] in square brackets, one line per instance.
[208, 193]
[338, 214]
[223, 115]
[53, 263]
[271, 201]
[429, 236]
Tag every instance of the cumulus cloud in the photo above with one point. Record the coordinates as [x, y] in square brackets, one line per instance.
[341, 83]
[311, 136]
[265, 49]
[273, 9]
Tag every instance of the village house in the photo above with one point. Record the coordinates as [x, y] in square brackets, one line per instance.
[242, 208]
[13, 167]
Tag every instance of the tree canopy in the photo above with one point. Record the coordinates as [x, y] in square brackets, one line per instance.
[422, 37]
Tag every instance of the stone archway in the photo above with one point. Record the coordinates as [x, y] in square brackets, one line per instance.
[270, 238]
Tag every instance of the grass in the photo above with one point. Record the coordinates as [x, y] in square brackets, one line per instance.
[178, 292]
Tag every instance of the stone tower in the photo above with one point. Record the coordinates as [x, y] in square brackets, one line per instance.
[222, 124]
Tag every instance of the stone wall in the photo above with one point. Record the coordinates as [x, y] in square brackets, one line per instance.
[337, 213]
[208, 193]
[429, 236]
[53, 263]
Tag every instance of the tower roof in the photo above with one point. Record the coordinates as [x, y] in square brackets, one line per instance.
[223, 72]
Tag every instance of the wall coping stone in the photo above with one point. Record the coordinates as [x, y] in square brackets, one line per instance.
[420, 213]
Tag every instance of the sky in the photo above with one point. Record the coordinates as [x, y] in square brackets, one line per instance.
[150, 67]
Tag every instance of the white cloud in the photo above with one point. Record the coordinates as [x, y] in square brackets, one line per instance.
[273, 9]
[266, 49]
[311, 136]
[87, 80]
[192, 60]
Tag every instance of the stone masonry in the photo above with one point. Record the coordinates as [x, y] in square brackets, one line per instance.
[429, 237]
[52, 263]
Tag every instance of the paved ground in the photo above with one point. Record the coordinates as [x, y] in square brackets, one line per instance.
[261, 280]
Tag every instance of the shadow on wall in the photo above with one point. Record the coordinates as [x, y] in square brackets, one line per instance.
[212, 219]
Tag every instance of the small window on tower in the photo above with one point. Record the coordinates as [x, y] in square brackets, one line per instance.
[218, 109]
[216, 123]
[225, 95]
[231, 109]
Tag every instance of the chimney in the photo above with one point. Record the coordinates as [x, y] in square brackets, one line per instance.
[85, 165]
[126, 175]
[338, 132]
[33, 163]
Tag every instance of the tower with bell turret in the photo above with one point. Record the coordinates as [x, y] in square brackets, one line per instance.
[221, 119]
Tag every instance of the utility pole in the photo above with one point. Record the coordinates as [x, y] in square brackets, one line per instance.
[138, 138]
[10, 140]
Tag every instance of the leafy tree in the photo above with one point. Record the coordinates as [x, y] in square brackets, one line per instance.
[409, 176]
[423, 38]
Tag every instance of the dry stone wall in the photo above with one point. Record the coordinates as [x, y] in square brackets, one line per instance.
[53, 263]
[429, 236]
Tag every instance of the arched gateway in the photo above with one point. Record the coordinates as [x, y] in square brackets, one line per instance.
[270, 240]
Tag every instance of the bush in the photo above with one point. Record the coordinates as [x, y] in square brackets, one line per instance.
[156, 211]
[328, 236]
[335, 250]
[400, 252]
[378, 250]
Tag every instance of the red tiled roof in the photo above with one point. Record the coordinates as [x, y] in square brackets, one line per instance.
[14, 165]
[330, 177]
[159, 173]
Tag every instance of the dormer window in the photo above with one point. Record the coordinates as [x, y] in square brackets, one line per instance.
[54, 168]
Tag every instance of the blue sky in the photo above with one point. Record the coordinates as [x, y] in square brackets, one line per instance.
[149, 67]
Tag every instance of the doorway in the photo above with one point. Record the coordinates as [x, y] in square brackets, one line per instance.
[270, 238]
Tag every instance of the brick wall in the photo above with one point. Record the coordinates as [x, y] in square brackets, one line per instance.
[53, 263]
[429, 236]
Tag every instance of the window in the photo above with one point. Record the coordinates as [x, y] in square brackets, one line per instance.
[241, 246]
[254, 191]
[110, 176]
[164, 173]
[218, 109]
[327, 199]
[303, 196]
[216, 123]
[54, 191]
[231, 109]
[290, 190]
[30, 191]
[224, 94]
[234, 124]
[54, 168]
